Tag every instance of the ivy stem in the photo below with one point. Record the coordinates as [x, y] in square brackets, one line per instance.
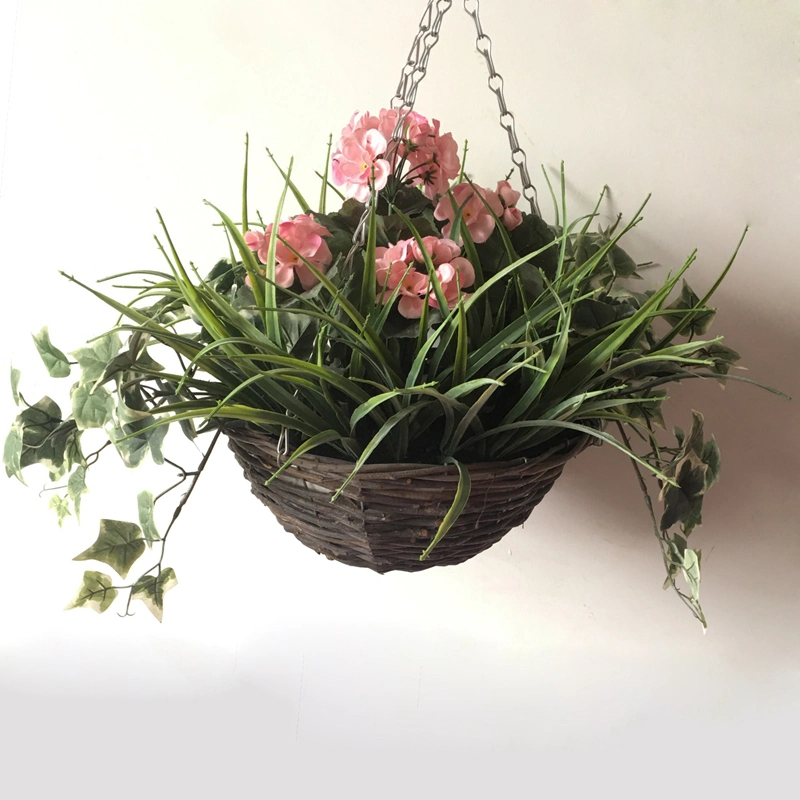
[196, 476]
[658, 532]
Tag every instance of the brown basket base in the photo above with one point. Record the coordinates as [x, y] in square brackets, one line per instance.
[389, 513]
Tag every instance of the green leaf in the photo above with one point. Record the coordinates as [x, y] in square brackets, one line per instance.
[76, 486]
[146, 520]
[91, 409]
[61, 506]
[682, 503]
[454, 512]
[711, 458]
[96, 592]
[150, 590]
[55, 361]
[119, 544]
[134, 440]
[695, 323]
[12, 453]
[47, 439]
[94, 359]
[15, 375]
[691, 571]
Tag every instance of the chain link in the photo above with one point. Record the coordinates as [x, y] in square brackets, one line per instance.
[416, 67]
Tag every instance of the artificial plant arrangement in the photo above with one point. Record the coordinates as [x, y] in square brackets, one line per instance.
[423, 352]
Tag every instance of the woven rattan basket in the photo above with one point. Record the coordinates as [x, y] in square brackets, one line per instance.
[388, 513]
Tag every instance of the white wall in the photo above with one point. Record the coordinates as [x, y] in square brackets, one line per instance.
[553, 664]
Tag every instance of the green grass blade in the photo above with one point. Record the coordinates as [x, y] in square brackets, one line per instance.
[456, 508]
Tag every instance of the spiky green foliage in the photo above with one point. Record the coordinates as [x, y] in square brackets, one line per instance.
[554, 341]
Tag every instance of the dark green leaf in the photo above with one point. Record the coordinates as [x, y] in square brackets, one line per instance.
[699, 322]
[119, 544]
[55, 361]
[532, 234]
[150, 590]
[96, 592]
[711, 459]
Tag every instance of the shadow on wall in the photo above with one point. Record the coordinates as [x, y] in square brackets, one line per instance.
[753, 513]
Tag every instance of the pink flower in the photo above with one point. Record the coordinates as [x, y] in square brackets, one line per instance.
[475, 214]
[511, 216]
[435, 162]
[440, 250]
[390, 264]
[300, 234]
[357, 159]
[413, 287]
[453, 277]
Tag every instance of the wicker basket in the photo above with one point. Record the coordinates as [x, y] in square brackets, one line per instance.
[388, 513]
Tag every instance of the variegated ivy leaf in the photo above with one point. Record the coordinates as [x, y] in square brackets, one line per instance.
[12, 453]
[49, 440]
[95, 358]
[55, 361]
[76, 486]
[150, 590]
[15, 375]
[61, 506]
[96, 592]
[91, 409]
[146, 511]
[134, 449]
[119, 545]
[700, 322]
[691, 571]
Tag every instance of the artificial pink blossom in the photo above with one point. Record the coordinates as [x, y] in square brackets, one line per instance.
[302, 239]
[413, 288]
[440, 250]
[401, 265]
[357, 162]
[511, 215]
[453, 276]
[475, 215]
[422, 154]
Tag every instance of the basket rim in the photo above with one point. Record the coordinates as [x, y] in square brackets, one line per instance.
[563, 451]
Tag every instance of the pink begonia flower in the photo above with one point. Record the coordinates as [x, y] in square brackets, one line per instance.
[432, 158]
[413, 287]
[391, 263]
[401, 265]
[358, 158]
[301, 234]
[440, 250]
[511, 216]
[429, 158]
[475, 215]
[453, 276]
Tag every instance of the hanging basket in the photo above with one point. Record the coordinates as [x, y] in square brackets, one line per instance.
[388, 514]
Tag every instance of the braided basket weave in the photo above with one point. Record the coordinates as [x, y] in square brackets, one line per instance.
[388, 513]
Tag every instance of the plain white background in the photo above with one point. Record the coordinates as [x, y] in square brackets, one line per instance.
[553, 663]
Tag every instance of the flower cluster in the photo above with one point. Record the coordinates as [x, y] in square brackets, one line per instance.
[298, 238]
[366, 153]
[396, 268]
[479, 208]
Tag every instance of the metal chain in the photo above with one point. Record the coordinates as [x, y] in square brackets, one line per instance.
[483, 44]
[416, 68]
